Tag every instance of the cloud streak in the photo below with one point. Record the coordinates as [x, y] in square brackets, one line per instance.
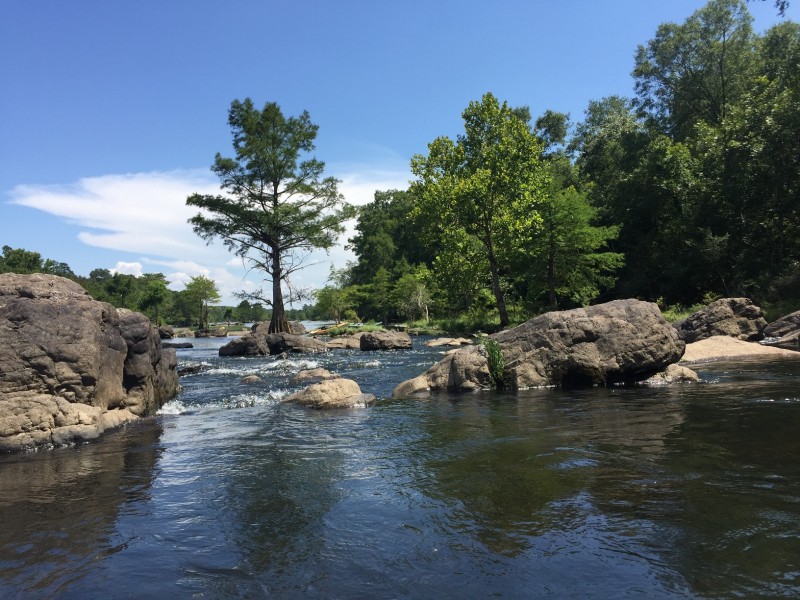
[146, 214]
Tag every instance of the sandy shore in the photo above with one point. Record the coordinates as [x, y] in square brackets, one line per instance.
[720, 347]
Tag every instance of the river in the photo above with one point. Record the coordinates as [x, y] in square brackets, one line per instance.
[687, 491]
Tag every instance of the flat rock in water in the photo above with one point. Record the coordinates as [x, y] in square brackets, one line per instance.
[461, 341]
[723, 347]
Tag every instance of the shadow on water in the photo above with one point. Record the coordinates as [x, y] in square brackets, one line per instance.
[59, 509]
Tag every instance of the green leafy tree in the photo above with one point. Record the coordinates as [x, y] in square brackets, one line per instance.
[694, 71]
[388, 233]
[121, 290]
[154, 294]
[567, 257]
[18, 260]
[488, 183]
[413, 295]
[277, 208]
[201, 292]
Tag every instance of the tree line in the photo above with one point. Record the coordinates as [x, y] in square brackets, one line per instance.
[689, 190]
[195, 306]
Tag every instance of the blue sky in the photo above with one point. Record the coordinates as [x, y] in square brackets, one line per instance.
[111, 112]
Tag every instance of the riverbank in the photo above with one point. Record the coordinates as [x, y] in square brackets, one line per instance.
[722, 347]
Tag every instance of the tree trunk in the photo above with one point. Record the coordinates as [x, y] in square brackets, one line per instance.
[551, 271]
[278, 322]
[498, 292]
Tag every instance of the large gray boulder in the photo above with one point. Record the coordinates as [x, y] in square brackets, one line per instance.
[735, 317]
[278, 343]
[72, 367]
[783, 326]
[385, 340]
[624, 341]
[246, 345]
[259, 343]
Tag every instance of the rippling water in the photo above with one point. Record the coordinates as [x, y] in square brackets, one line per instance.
[678, 492]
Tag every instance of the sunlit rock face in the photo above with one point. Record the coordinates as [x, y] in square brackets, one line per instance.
[734, 317]
[72, 367]
[624, 341]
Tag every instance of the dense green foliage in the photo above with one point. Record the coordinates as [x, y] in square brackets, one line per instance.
[687, 191]
[276, 208]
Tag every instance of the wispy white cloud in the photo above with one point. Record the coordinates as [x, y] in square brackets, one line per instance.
[146, 214]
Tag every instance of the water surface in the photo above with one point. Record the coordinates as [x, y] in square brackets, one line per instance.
[689, 491]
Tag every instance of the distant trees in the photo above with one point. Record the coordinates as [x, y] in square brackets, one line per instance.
[277, 207]
[201, 292]
[18, 260]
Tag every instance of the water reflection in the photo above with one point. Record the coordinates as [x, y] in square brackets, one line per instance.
[58, 508]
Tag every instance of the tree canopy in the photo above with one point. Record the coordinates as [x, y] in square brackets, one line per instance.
[277, 206]
[488, 183]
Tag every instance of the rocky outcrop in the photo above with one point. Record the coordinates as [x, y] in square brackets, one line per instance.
[385, 340]
[735, 317]
[784, 333]
[332, 393]
[345, 342]
[278, 343]
[783, 326]
[246, 345]
[258, 343]
[625, 341]
[72, 367]
[166, 332]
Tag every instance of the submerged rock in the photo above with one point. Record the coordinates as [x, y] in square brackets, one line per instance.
[673, 374]
[72, 367]
[624, 341]
[385, 340]
[735, 317]
[332, 393]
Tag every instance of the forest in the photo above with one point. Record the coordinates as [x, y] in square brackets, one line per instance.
[686, 192]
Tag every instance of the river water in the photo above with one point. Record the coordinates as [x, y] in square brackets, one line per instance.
[689, 491]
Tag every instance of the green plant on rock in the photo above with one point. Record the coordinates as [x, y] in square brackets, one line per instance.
[494, 356]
